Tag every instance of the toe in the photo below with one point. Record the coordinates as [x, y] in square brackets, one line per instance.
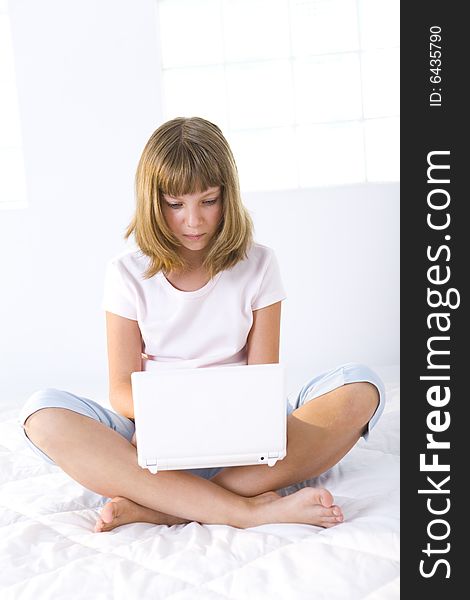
[317, 496]
[337, 511]
[109, 512]
[325, 497]
[98, 526]
[327, 515]
[333, 519]
[330, 515]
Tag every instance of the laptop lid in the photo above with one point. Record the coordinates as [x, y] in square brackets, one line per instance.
[210, 417]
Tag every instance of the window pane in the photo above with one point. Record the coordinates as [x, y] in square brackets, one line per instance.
[328, 88]
[260, 94]
[323, 26]
[190, 32]
[381, 83]
[379, 23]
[331, 154]
[199, 91]
[290, 82]
[265, 159]
[255, 29]
[383, 149]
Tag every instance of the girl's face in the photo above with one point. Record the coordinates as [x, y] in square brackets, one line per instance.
[194, 218]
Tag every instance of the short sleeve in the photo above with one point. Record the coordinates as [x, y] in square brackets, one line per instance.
[271, 288]
[119, 296]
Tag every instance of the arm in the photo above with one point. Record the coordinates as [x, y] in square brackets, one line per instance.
[263, 339]
[124, 357]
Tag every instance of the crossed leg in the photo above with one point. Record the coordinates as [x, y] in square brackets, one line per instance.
[319, 434]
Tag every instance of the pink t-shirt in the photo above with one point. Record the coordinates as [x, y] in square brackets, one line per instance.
[202, 328]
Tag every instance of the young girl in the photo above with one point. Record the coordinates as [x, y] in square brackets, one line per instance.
[199, 292]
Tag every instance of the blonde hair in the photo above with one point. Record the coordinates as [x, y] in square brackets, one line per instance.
[187, 156]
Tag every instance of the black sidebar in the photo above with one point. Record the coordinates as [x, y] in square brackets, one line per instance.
[435, 256]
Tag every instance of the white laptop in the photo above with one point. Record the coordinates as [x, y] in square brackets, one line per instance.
[188, 418]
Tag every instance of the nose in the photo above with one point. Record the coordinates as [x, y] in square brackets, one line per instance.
[193, 217]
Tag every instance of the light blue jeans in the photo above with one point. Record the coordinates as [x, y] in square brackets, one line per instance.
[318, 385]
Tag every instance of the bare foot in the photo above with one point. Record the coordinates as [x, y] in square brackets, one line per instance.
[310, 505]
[121, 511]
[313, 506]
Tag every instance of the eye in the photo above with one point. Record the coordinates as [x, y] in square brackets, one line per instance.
[176, 205]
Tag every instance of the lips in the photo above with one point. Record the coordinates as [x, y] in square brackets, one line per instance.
[194, 236]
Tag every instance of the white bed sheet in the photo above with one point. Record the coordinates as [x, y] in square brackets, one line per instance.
[48, 549]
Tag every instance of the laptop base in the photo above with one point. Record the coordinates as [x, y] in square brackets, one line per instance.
[202, 462]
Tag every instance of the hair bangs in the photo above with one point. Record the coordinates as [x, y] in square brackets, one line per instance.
[188, 170]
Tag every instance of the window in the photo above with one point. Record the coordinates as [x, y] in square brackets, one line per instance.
[12, 176]
[306, 91]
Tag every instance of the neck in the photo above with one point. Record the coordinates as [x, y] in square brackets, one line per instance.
[194, 260]
[193, 268]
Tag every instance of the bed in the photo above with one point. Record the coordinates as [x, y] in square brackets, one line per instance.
[49, 551]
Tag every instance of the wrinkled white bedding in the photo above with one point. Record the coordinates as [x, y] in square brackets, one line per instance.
[48, 549]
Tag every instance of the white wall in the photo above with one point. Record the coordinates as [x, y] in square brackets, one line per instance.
[338, 250]
[88, 78]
